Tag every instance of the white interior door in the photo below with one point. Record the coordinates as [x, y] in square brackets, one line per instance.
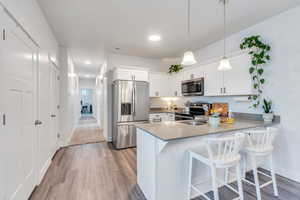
[19, 107]
[54, 92]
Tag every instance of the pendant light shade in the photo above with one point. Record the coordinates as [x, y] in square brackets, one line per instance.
[224, 64]
[188, 58]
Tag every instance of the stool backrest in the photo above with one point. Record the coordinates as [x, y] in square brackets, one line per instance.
[262, 139]
[223, 148]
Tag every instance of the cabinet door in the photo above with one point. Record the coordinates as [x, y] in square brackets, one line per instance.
[159, 85]
[154, 80]
[141, 75]
[176, 81]
[213, 81]
[193, 73]
[237, 81]
[122, 74]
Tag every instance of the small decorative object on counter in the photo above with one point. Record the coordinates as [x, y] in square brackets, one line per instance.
[268, 114]
[230, 119]
[214, 120]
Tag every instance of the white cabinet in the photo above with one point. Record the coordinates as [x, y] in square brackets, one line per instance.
[193, 73]
[162, 117]
[175, 86]
[234, 82]
[237, 81]
[160, 84]
[213, 80]
[128, 74]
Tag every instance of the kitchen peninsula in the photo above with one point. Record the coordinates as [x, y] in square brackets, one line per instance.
[162, 161]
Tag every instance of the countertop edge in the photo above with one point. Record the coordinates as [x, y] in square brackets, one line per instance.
[217, 132]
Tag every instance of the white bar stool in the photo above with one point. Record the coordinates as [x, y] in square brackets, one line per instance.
[222, 152]
[260, 144]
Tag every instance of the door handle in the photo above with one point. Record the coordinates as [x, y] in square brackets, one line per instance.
[4, 120]
[53, 116]
[38, 122]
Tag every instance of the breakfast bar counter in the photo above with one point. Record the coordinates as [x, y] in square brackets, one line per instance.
[162, 159]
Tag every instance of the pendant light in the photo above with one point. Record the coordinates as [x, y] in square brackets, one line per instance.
[189, 58]
[224, 63]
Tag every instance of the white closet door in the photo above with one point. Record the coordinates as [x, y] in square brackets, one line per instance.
[18, 90]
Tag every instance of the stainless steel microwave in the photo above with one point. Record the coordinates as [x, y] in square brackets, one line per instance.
[194, 87]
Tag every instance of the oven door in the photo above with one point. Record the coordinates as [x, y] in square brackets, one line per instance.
[193, 87]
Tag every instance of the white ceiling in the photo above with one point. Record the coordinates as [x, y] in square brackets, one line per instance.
[90, 26]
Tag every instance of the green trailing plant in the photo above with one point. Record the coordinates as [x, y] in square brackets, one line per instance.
[259, 53]
[267, 106]
[175, 69]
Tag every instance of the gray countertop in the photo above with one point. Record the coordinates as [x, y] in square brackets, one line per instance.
[169, 131]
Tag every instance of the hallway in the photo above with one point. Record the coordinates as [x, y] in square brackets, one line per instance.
[90, 172]
[87, 132]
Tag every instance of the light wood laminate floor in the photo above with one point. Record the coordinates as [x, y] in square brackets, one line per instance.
[98, 172]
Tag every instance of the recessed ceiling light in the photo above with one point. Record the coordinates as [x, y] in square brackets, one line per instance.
[87, 62]
[154, 38]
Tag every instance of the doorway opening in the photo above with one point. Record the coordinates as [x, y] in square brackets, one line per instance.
[86, 103]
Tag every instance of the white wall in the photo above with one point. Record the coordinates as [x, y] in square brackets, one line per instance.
[118, 60]
[88, 83]
[283, 82]
[69, 96]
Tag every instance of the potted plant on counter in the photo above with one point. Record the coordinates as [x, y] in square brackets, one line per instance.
[268, 113]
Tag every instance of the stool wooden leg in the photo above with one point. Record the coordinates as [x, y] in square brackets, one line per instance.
[190, 177]
[257, 186]
[214, 182]
[273, 176]
[239, 181]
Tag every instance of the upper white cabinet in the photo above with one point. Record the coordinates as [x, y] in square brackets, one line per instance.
[193, 73]
[159, 84]
[175, 86]
[236, 81]
[213, 80]
[128, 74]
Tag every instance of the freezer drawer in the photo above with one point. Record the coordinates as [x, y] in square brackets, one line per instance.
[125, 135]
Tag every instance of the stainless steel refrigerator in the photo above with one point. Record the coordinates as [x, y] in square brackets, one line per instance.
[130, 106]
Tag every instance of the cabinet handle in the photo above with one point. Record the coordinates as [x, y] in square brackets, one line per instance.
[176, 93]
[3, 119]
[221, 90]
[4, 34]
[224, 90]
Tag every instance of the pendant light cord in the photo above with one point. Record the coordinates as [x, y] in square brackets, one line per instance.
[189, 22]
[224, 18]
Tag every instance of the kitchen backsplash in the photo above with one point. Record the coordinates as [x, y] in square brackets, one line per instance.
[236, 104]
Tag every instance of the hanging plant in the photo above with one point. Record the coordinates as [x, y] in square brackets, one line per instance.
[259, 53]
[175, 69]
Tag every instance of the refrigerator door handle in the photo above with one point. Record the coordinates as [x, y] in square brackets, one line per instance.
[134, 98]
